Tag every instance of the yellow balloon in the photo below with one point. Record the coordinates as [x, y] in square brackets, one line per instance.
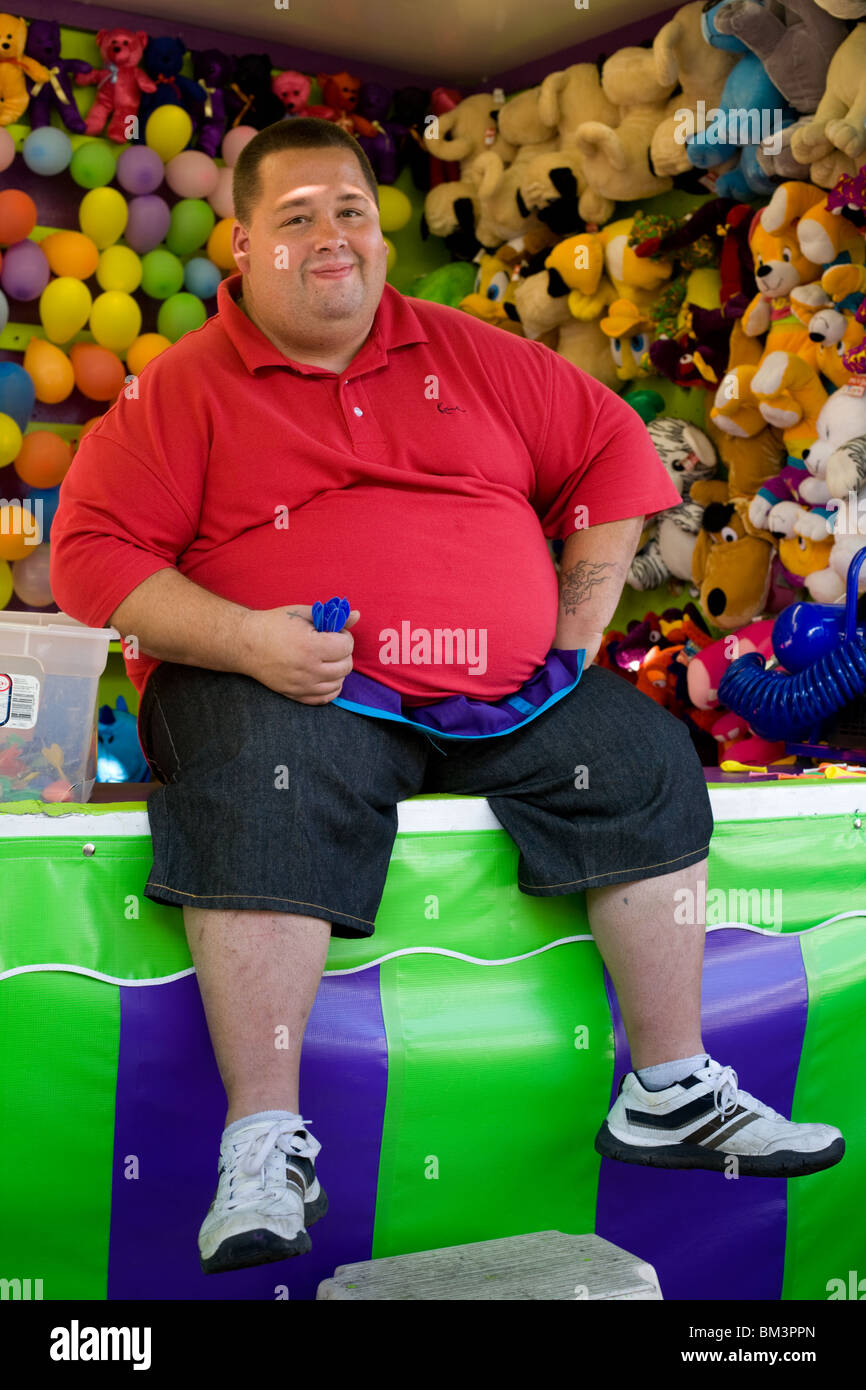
[5, 583]
[395, 208]
[64, 305]
[168, 131]
[11, 439]
[144, 349]
[219, 245]
[50, 371]
[70, 253]
[20, 531]
[392, 255]
[119, 269]
[115, 320]
[102, 215]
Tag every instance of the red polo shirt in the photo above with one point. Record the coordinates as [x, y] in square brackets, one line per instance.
[420, 483]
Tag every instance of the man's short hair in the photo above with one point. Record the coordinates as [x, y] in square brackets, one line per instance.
[296, 133]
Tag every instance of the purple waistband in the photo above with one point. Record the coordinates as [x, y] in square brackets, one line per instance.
[460, 717]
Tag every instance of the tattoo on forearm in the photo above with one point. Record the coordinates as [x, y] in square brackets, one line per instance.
[577, 583]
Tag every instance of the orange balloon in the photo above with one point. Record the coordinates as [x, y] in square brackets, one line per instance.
[88, 425]
[99, 372]
[219, 245]
[17, 215]
[43, 459]
[144, 349]
[50, 370]
[71, 253]
[18, 537]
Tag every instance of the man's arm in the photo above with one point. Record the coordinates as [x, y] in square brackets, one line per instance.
[175, 619]
[592, 571]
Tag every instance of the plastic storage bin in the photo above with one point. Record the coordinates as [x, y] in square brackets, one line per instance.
[50, 666]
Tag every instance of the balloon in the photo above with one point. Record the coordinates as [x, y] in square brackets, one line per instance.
[99, 373]
[50, 371]
[191, 174]
[115, 320]
[234, 142]
[392, 255]
[44, 502]
[144, 349]
[71, 253]
[88, 425]
[201, 277]
[148, 223]
[64, 306]
[4, 308]
[19, 530]
[93, 164]
[168, 131]
[395, 208]
[30, 577]
[180, 314]
[7, 150]
[192, 221]
[17, 216]
[161, 273]
[17, 393]
[119, 269]
[221, 200]
[103, 215]
[219, 245]
[47, 151]
[25, 271]
[5, 570]
[140, 170]
[43, 459]
[10, 440]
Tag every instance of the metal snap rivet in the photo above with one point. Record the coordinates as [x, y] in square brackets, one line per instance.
[88, 849]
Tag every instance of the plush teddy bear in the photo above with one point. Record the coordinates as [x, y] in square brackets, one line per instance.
[682, 53]
[374, 102]
[293, 90]
[794, 46]
[55, 94]
[120, 83]
[162, 61]
[839, 119]
[13, 67]
[248, 96]
[213, 70]
[616, 159]
[340, 93]
[688, 456]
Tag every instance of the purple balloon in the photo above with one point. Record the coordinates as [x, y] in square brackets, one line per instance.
[140, 170]
[149, 220]
[25, 271]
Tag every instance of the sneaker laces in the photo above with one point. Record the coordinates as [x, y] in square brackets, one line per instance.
[727, 1095]
[246, 1184]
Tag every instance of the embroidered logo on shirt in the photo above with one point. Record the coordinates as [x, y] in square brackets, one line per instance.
[448, 409]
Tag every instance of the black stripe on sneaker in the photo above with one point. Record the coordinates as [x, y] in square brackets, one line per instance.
[688, 1081]
[675, 1119]
[715, 1124]
[720, 1139]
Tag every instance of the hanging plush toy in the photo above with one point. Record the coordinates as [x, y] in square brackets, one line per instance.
[688, 456]
[213, 71]
[43, 44]
[119, 84]
[838, 122]
[13, 66]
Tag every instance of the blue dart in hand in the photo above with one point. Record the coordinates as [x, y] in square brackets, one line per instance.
[331, 616]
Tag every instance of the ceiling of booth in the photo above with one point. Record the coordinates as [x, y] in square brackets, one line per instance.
[452, 40]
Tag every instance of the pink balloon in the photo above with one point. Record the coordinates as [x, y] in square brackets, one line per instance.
[221, 199]
[30, 578]
[235, 141]
[25, 271]
[191, 174]
[7, 148]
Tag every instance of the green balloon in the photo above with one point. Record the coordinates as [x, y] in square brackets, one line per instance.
[180, 314]
[192, 221]
[161, 273]
[93, 164]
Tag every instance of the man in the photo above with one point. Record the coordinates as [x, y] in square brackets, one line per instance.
[322, 435]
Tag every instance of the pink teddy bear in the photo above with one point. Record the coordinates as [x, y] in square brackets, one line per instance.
[121, 82]
[293, 90]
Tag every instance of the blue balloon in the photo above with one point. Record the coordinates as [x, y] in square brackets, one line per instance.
[17, 393]
[47, 150]
[201, 277]
[50, 499]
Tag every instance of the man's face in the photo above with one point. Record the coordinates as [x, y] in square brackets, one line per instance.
[313, 256]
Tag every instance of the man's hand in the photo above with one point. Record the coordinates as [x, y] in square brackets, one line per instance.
[282, 650]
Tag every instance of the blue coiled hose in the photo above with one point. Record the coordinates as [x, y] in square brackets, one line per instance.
[780, 706]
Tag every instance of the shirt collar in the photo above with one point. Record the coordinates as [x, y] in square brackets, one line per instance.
[395, 324]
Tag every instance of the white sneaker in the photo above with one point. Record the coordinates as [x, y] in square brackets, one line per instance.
[267, 1194]
[705, 1120]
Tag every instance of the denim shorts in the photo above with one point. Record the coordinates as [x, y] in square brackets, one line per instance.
[274, 805]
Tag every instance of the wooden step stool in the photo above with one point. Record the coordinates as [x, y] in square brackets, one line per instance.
[547, 1265]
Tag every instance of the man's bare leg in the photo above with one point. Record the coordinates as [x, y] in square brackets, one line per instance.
[655, 962]
[258, 973]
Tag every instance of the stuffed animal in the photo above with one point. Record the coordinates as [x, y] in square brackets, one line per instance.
[13, 67]
[469, 130]
[162, 61]
[586, 347]
[681, 53]
[839, 119]
[616, 159]
[631, 334]
[54, 94]
[451, 211]
[707, 666]
[501, 215]
[554, 184]
[213, 70]
[688, 456]
[493, 292]
[795, 46]
[731, 560]
[120, 758]
[829, 584]
[248, 96]
[340, 92]
[748, 460]
[120, 83]
[374, 101]
[293, 90]
[414, 111]
[583, 262]
[448, 284]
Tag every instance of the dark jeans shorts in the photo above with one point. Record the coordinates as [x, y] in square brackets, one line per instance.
[279, 806]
